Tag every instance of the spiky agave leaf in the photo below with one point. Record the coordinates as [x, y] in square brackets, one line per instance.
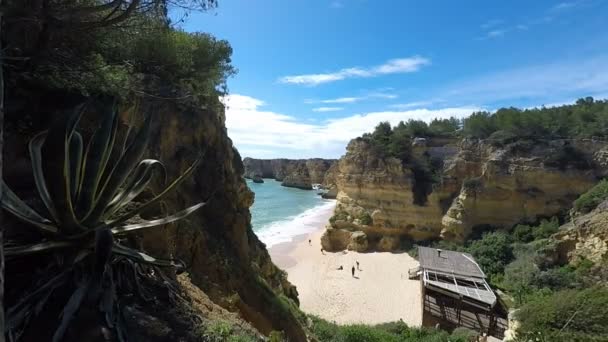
[75, 159]
[56, 166]
[18, 313]
[13, 204]
[137, 183]
[158, 222]
[145, 258]
[153, 201]
[41, 247]
[71, 308]
[95, 161]
[119, 173]
[35, 147]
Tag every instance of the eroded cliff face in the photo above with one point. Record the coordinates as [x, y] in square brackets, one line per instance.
[225, 258]
[476, 184]
[297, 173]
[585, 237]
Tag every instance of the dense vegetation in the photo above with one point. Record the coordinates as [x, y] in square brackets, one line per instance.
[592, 198]
[117, 58]
[587, 118]
[325, 331]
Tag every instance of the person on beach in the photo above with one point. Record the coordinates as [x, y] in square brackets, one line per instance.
[309, 242]
[340, 268]
[352, 270]
[357, 265]
[322, 251]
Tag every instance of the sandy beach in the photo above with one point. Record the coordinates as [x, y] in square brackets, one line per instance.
[381, 291]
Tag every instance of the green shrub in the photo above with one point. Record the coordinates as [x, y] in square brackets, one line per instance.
[568, 315]
[242, 338]
[465, 333]
[523, 233]
[276, 336]
[501, 138]
[520, 275]
[592, 198]
[365, 219]
[546, 228]
[493, 252]
[364, 333]
[339, 216]
[557, 278]
[219, 330]
[325, 331]
[197, 62]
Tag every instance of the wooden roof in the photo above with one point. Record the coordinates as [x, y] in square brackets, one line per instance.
[451, 262]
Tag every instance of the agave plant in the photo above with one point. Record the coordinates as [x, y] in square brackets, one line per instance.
[88, 194]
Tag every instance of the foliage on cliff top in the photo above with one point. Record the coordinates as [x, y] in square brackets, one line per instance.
[112, 58]
[585, 119]
[592, 198]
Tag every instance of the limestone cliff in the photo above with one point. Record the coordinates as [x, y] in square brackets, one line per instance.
[225, 258]
[585, 237]
[298, 173]
[474, 183]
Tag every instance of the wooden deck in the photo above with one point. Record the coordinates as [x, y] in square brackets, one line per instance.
[451, 313]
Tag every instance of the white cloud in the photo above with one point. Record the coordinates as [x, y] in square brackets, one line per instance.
[343, 100]
[265, 134]
[327, 109]
[393, 66]
[415, 104]
[353, 99]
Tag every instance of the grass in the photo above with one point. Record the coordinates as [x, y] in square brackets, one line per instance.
[223, 331]
[326, 331]
[592, 198]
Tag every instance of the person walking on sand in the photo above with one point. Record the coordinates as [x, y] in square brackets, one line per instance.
[309, 242]
[357, 265]
[352, 270]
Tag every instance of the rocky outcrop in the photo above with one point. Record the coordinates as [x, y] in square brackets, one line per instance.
[469, 184]
[225, 258]
[298, 173]
[258, 179]
[585, 237]
[298, 178]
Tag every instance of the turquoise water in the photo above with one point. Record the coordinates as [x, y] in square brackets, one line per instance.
[279, 213]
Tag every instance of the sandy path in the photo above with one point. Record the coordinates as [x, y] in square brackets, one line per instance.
[380, 293]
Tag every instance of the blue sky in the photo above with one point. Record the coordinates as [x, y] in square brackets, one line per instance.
[314, 74]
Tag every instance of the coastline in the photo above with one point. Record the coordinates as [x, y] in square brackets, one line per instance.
[290, 229]
[381, 291]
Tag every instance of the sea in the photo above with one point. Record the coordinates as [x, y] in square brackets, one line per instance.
[280, 213]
